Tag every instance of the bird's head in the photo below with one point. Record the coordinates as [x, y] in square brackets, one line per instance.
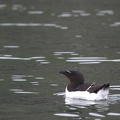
[73, 76]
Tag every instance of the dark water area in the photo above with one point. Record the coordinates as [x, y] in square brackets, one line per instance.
[41, 37]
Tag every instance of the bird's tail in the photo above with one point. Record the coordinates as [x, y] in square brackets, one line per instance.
[102, 87]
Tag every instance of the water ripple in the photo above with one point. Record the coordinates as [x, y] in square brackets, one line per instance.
[35, 83]
[18, 7]
[96, 115]
[66, 115]
[35, 12]
[82, 60]
[40, 59]
[78, 13]
[104, 12]
[60, 94]
[115, 24]
[16, 90]
[40, 78]
[2, 6]
[65, 14]
[21, 91]
[33, 25]
[61, 53]
[113, 114]
[11, 46]
[1, 79]
[19, 80]
[24, 92]
[74, 13]
[91, 60]
[115, 87]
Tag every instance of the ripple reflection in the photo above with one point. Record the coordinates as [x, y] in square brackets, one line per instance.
[35, 12]
[115, 24]
[21, 91]
[104, 12]
[66, 115]
[40, 59]
[33, 25]
[91, 60]
[113, 114]
[3, 6]
[11, 46]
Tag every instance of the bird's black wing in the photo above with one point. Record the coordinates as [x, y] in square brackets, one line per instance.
[95, 89]
[83, 87]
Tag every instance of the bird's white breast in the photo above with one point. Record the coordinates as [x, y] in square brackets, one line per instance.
[101, 95]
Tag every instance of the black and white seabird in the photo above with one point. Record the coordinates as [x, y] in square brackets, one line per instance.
[78, 89]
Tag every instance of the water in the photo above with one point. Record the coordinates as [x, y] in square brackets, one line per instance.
[40, 38]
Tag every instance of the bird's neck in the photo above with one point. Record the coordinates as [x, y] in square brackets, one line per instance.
[72, 86]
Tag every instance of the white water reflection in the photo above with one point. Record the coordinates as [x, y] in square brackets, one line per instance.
[114, 98]
[85, 14]
[115, 24]
[11, 46]
[66, 115]
[74, 13]
[40, 78]
[3, 6]
[105, 12]
[35, 83]
[88, 58]
[78, 11]
[60, 94]
[79, 102]
[13, 58]
[40, 59]
[33, 25]
[35, 12]
[115, 87]
[18, 76]
[78, 36]
[19, 80]
[45, 62]
[22, 78]
[113, 114]
[65, 14]
[37, 57]
[21, 91]
[96, 115]
[16, 90]
[25, 92]
[61, 53]
[100, 106]
[1, 80]
[18, 7]
[91, 60]
[60, 58]
[83, 60]
[6, 55]
[54, 85]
